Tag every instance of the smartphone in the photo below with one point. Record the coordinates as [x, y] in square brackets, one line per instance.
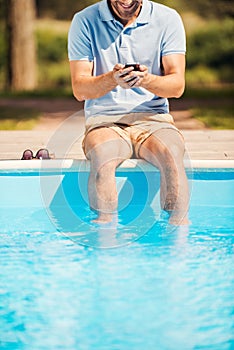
[136, 66]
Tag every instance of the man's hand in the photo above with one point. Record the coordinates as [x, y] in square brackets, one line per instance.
[169, 85]
[127, 78]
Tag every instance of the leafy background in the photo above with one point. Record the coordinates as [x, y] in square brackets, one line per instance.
[209, 28]
[210, 51]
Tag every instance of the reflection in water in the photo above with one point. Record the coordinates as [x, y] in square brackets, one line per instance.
[167, 288]
[159, 287]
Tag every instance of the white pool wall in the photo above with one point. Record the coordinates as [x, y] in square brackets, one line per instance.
[83, 165]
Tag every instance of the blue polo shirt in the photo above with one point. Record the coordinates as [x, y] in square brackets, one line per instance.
[95, 35]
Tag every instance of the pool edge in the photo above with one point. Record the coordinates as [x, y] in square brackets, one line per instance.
[83, 165]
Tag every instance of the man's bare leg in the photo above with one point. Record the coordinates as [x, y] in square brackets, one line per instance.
[165, 150]
[106, 150]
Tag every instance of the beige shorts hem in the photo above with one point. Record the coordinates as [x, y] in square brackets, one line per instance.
[136, 132]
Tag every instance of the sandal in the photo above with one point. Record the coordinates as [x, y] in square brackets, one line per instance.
[27, 155]
[42, 153]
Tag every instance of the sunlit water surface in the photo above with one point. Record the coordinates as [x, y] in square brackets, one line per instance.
[123, 287]
[169, 289]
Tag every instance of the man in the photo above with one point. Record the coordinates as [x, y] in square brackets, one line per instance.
[127, 110]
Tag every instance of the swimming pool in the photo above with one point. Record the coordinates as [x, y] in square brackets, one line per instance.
[68, 284]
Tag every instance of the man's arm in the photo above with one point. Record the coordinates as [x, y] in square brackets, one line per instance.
[85, 86]
[172, 83]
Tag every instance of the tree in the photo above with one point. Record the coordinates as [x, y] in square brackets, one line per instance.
[21, 45]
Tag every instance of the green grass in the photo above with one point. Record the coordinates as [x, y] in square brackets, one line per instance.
[215, 118]
[52, 93]
[54, 76]
[219, 91]
[15, 118]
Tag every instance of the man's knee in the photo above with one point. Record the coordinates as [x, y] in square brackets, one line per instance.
[103, 144]
[171, 140]
[164, 146]
[169, 144]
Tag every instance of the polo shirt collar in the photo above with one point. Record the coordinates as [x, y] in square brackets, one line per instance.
[143, 17]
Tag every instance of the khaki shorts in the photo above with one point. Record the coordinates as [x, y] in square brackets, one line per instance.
[134, 128]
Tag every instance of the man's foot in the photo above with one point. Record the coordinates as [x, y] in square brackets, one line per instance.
[179, 220]
[106, 218]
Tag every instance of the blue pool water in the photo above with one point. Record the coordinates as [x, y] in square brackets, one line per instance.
[66, 283]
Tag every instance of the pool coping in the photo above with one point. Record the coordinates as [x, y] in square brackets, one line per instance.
[84, 165]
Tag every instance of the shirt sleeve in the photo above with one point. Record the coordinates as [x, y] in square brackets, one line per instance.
[174, 39]
[79, 45]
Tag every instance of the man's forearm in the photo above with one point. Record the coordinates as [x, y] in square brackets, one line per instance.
[89, 87]
[168, 86]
